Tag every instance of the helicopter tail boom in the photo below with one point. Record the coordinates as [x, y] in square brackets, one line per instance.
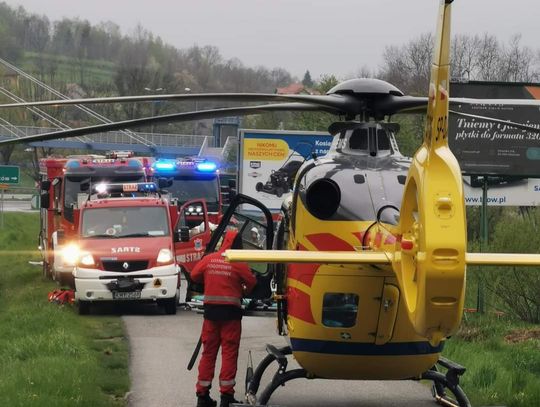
[319, 257]
[502, 259]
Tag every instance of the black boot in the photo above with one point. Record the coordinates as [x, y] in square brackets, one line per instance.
[204, 400]
[227, 400]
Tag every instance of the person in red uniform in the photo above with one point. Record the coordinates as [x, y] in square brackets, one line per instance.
[224, 285]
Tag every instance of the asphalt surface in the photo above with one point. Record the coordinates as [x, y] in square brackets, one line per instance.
[161, 346]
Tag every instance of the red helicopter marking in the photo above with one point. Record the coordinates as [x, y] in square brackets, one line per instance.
[378, 239]
[327, 241]
[302, 272]
[390, 239]
[359, 236]
[299, 305]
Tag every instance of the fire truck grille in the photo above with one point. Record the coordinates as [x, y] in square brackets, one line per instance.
[125, 266]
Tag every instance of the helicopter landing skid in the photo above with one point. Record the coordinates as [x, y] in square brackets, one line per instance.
[253, 379]
[449, 381]
[441, 381]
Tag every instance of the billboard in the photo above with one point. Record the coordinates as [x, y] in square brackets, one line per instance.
[487, 148]
[503, 191]
[269, 159]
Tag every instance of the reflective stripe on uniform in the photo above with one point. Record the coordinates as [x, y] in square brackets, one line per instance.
[227, 382]
[204, 383]
[222, 299]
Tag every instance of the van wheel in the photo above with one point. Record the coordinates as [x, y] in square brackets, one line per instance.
[84, 307]
[259, 186]
[169, 305]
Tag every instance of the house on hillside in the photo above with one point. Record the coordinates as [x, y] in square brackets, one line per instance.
[8, 78]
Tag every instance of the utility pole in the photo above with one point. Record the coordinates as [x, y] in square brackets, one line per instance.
[480, 300]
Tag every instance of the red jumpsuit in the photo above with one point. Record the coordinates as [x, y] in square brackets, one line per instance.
[223, 290]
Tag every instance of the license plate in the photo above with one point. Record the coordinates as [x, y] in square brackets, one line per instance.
[126, 295]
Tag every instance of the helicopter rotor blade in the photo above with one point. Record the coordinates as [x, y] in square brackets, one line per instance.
[498, 121]
[391, 104]
[345, 103]
[175, 117]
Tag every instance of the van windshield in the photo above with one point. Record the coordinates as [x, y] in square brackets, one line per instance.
[125, 222]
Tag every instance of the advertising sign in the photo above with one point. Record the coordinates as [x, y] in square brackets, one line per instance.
[269, 160]
[511, 192]
[487, 148]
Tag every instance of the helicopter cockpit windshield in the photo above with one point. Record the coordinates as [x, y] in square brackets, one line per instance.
[369, 140]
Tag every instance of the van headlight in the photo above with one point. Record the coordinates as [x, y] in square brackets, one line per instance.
[70, 254]
[165, 256]
[86, 259]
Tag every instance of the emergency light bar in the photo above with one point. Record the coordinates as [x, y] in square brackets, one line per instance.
[164, 165]
[179, 165]
[207, 166]
[102, 189]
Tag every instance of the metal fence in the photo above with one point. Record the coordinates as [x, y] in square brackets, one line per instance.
[117, 137]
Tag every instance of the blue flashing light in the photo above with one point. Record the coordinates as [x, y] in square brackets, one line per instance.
[164, 165]
[207, 166]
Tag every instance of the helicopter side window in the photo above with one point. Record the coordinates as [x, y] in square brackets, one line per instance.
[359, 139]
[340, 310]
[383, 142]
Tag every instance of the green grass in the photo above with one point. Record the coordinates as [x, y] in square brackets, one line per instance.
[50, 355]
[499, 372]
[96, 72]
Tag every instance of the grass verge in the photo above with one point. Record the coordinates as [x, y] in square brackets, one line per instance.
[50, 355]
[502, 358]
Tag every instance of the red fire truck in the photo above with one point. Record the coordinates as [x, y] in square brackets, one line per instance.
[128, 242]
[63, 181]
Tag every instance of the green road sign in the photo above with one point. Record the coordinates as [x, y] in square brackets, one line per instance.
[9, 174]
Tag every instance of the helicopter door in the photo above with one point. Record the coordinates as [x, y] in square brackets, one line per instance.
[192, 234]
[254, 223]
[350, 305]
[387, 314]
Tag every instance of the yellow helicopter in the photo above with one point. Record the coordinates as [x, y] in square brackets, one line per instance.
[370, 256]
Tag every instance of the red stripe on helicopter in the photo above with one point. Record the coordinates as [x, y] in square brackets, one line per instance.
[390, 239]
[302, 272]
[359, 236]
[327, 241]
[299, 305]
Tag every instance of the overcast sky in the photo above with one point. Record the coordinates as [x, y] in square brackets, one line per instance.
[324, 36]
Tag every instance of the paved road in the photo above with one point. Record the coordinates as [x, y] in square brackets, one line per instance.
[161, 346]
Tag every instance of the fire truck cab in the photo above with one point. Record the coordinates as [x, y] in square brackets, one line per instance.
[192, 178]
[62, 185]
